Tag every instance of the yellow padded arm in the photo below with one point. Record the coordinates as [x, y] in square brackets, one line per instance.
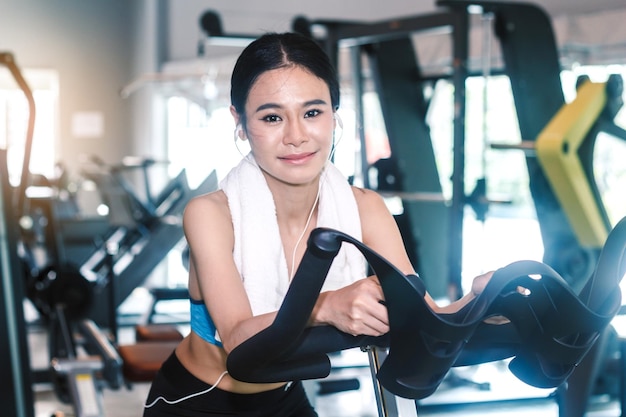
[557, 150]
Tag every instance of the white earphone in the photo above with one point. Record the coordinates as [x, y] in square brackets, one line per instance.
[338, 119]
[239, 133]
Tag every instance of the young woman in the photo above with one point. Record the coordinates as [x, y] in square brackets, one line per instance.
[247, 238]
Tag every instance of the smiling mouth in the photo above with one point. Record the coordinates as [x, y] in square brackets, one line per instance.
[297, 157]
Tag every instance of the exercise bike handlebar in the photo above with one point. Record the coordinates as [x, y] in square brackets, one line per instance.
[550, 327]
[273, 354]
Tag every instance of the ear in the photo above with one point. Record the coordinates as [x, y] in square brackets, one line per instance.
[239, 132]
[235, 115]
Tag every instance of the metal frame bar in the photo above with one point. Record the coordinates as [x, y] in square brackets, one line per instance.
[17, 397]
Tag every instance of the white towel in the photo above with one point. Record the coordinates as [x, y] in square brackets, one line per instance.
[258, 250]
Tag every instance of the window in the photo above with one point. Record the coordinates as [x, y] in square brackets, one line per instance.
[14, 114]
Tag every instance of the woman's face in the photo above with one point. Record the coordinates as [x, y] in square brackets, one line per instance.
[290, 124]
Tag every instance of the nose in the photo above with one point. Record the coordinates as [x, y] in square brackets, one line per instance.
[295, 133]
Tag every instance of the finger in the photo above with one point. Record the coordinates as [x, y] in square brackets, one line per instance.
[379, 321]
[376, 327]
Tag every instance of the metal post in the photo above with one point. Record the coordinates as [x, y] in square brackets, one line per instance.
[457, 207]
[16, 396]
[112, 248]
[389, 405]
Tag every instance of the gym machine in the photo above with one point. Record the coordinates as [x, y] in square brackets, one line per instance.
[531, 62]
[16, 395]
[550, 330]
[142, 231]
[532, 65]
[74, 374]
[83, 358]
[81, 370]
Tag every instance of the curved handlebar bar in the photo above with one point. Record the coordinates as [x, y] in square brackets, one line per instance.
[550, 327]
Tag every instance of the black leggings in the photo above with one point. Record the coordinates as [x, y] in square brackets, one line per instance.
[174, 382]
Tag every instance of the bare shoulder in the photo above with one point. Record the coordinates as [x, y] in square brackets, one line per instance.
[211, 208]
[379, 228]
[371, 205]
[215, 200]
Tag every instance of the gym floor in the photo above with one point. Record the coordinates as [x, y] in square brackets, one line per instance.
[498, 393]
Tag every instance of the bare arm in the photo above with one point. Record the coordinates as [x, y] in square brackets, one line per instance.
[213, 274]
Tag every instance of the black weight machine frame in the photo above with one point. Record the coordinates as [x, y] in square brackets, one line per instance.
[141, 233]
[531, 62]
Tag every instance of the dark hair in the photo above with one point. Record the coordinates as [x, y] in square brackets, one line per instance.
[278, 50]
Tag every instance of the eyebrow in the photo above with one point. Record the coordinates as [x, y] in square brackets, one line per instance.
[266, 106]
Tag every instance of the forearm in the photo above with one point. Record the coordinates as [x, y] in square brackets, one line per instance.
[245, 329]
[318, 317]
[456, 305]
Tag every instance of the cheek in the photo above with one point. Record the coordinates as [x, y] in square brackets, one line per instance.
[259, 134]
[322, 130]
[325, 137]
[262, 142]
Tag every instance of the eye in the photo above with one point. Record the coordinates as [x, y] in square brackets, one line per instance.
[271, 118]
[312, 113]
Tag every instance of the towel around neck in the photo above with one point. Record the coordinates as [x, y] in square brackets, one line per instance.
[258, 250]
